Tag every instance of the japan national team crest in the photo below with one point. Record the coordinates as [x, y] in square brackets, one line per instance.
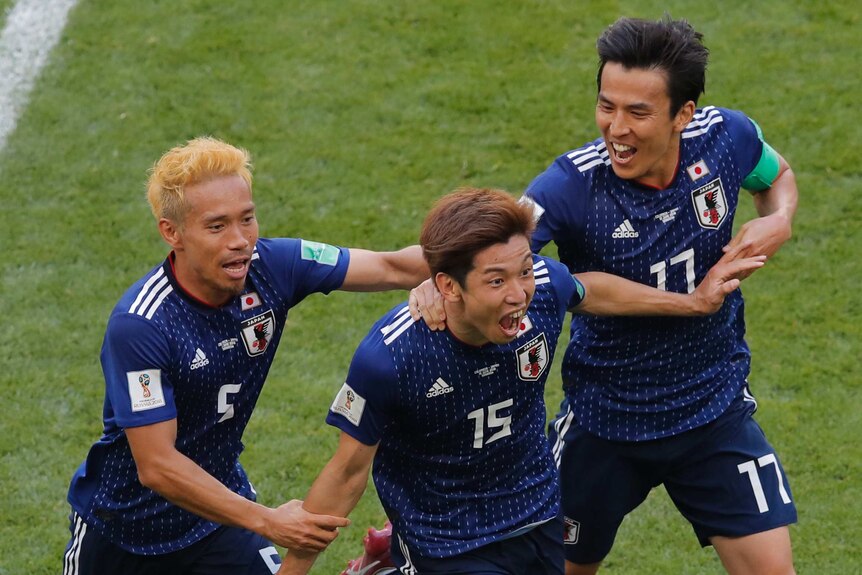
[573, 530]
[257, 333]
[710, 205]
[533, 358]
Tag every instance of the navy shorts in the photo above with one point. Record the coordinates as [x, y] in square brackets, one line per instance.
[723, 477]
[537, 552]
[226, 551]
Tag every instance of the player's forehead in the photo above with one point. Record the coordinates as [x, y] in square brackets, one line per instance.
[633, 87]
[222, 197]
[511, 256]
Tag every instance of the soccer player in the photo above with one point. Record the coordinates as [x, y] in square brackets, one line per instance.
[665, 400]
[185, 356]
[454, 420]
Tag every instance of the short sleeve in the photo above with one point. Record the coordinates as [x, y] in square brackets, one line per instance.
[135, 360]
[363, 407]
[303, 267]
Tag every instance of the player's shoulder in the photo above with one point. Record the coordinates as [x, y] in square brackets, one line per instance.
[146, 296]
[396, 324]
[714, 120]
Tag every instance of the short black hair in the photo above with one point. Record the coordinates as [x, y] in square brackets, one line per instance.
[671, 46]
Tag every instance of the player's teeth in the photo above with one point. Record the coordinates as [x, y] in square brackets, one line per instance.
[622, 148]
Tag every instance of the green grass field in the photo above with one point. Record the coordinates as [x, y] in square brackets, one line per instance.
[359, 113]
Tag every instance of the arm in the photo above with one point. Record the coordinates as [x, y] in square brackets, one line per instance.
[377, 271]
[335, 491]
[184, 483]
[776, 207]
[611, 295]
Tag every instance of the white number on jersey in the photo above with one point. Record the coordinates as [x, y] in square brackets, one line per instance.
[660, 269]
[494, 422]
[223, 406]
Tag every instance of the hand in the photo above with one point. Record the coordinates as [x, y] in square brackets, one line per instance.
[725, 276]
[764, 235]
[426, 302]
[293, 527]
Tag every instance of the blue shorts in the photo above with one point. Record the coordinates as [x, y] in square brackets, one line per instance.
[226, 551]
[723, 477]
[537, 552]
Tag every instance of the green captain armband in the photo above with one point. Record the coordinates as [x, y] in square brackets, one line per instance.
[766, 170]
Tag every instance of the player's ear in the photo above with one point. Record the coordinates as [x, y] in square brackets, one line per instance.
[170, 233]
[448, 287]
[684, 116]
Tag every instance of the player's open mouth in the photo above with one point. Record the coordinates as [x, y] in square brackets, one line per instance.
[236, 268]
[511, 323]
[623, 153]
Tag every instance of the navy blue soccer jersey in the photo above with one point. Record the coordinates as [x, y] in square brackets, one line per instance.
[167, 355]
[463, 459]
[641, 378]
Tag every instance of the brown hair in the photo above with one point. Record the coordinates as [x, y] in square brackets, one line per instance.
[467, 221]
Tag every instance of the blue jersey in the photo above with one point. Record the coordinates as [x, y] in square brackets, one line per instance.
[169, 356]
[640, 378]
[463, 460]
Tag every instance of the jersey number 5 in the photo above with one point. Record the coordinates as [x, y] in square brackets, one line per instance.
[502, 424]
[225, 408]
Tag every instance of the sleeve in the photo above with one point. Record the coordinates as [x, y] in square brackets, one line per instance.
[366, 402]
[554, 198]
[570, 291]
[135, 362]
[303, 267]
[757, 160]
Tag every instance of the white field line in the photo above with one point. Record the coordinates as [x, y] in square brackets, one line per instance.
[32, 29]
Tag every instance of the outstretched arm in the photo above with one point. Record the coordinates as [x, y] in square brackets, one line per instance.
[184, 483]
[378, 271]
[612, 295]
[336, 491]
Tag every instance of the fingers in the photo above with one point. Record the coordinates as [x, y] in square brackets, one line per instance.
[736, 249]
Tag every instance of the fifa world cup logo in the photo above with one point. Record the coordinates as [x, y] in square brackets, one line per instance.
[144, 380]
[350, 398]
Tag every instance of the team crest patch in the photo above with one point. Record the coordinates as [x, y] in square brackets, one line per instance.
[257, 333]
[348, 404]
[710, 204]
[573, 530]
[533, 358]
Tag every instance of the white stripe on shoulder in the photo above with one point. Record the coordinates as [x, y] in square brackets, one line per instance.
[589, 157]
[154, 298]
[399, 325]
[145, 290]
[541, 273]
[702, 122]
[255, 255]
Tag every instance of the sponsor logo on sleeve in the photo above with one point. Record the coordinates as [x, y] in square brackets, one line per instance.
[348, 404]
[320, 253]
[145, 389]
[535, 207]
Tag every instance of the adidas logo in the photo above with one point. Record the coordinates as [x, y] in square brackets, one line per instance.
[200, 359]
[440, 387]
[625, 230]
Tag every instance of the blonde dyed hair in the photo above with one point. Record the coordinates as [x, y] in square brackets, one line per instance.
[198, 161]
